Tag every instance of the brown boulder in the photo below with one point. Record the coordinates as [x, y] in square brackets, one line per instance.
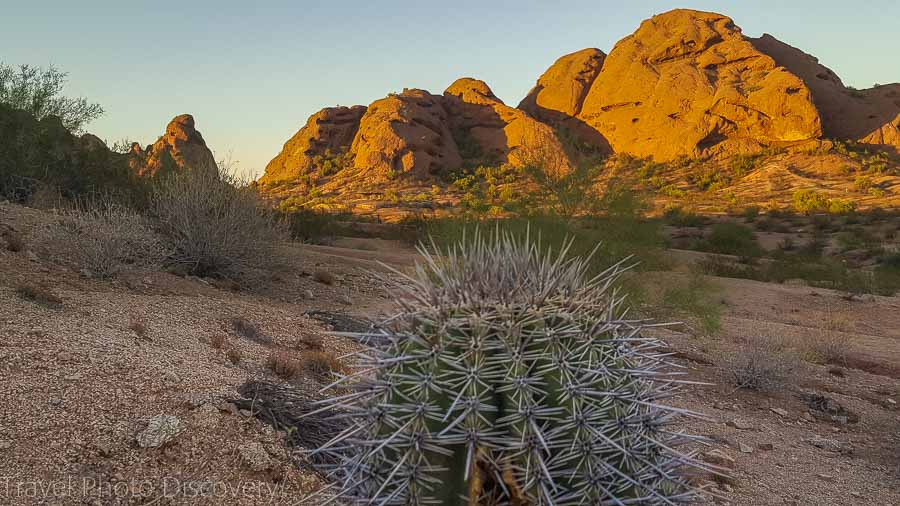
[560, 91]
[870, 116]
[688, 83]
[404, 133]
[182, 147]
[331, 129]
[557, 97]
[502, 134]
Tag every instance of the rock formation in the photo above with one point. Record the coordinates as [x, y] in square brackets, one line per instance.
[557, 97]
[561, 90]
[502, 134]
[687, 83]
[405, 134]
[182, 147]
[871, 116]
[419, 135]
[331, 129]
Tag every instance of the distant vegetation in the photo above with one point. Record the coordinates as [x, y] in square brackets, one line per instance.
[39, 92]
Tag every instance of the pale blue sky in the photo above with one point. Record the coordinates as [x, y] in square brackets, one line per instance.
[251, 74]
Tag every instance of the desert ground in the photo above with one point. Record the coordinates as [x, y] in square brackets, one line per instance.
[86, 380]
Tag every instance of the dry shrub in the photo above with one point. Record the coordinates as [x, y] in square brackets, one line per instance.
[826, 348]
[761, 363]
[217, 341]
[324, 277]
[234, 355]
[38, 294]
[311, 341]
[48, 197]
[14, 241]
[216, 227]
[284, 364]
[137, 326]
[830, 346]
[321, 363]
[102, 239]
[247, 329]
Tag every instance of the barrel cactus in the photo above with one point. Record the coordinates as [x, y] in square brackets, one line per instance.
[508, 376]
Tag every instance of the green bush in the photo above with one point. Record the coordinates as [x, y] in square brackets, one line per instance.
[678, 217]
[35, 154]
[809, 201]
[732, 239]
[38, 91]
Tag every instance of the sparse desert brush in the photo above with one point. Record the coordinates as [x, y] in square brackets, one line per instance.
[102, 239]
[311, 341]
[38, 294]
[678, 217]
[697, 300]
[284, 364]
[732, 239]
[216, 227]
[14, 241]
[829, 345]
[761, 363]
[324, 277]
[321, 363]
[810, 201]
[245, 328]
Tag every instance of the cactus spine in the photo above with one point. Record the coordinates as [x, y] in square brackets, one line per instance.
[509, 377]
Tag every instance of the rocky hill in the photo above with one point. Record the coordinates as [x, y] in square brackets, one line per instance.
[182, 146]
[686, 85]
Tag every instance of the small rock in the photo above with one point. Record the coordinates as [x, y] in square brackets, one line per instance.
[160, 430]
[745, 448]
[55, 401]
[891, 402]
[105, 450]
[246, 413]
[64, 356]
[826, 477]
[171, 377]
[86, 273]
[5, 445]
[780, 412]
[195, 399]
[73, 377]
[228, 407]
[719, 458]
[308, 294]
[808, 417]
[32, 256]
[345, 299]
[739, 424]
[207, 416]
[254, 455]
[766, 446]
[831, 445]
